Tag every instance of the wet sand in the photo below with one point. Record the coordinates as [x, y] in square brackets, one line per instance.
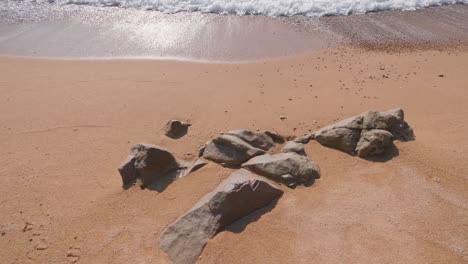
[88, 32]
[66, 126]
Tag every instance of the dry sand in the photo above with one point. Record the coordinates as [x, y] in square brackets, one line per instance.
[66, 126]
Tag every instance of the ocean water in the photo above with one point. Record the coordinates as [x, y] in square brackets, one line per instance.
[272, 8]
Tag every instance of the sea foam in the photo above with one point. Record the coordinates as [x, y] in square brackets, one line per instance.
[271, 7]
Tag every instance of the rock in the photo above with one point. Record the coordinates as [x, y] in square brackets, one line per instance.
[277, 166]
[148, 163]
[391, 120]
[373, 142]
[343, 139]
[343, 135]
[283, 117]
[239, 195]
[292, 146]
[230, 150]
[276, 137]
[305, 139]
[176, 129]
[257, 140]
[194, 166]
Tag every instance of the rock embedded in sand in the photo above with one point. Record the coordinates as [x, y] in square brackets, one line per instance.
[373, 142]
[292, 146]
[176, 129]
[147, 163]
[237, 196]
[288, 168]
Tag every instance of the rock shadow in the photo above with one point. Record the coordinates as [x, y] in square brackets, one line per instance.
[390, 153]
[242, 223]
[179, 134]
[163, 182]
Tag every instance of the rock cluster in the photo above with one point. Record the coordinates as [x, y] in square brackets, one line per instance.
[254, 154]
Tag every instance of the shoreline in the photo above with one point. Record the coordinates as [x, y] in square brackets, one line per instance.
[234, 39]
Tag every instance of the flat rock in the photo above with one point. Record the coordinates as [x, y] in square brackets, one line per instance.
[191, 167]
[292, 146]
[230, 150]
[288, 168]
[147, 163]
[373, 142]
[256, 140]
[239, 195]
[176, 128]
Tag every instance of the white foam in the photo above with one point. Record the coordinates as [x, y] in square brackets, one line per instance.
[271, 7]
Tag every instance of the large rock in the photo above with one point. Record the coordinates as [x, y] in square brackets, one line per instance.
[392, 120]
[275, 136]
[148, 163]
[288, 168]
[237, 196]
[346, 134]
[230, 150]
[256, 140]
[292, 146]
[176, 129]
[373, 142]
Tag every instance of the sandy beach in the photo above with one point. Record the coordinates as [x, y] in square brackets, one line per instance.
[67, 124]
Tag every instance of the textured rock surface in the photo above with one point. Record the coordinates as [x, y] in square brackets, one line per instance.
[292, 146]
[176, 129]
[256, 140]
[346, 134]
[276, 137]
[305, 139]
[148, 163]
[239, 195]
[373, 142]
[191, 167]
[230, 150]
[288, 168]
[343, 139]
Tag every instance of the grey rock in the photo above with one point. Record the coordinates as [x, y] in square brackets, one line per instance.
[147, 163]
[176, 128]
[277, 166]
[391, 120]
[239, 195]
[230, 150]
[343, 139]
[292, 146]
[305, 139]
[373, 142]
[257, 140]
[276, 137]
[193, 166]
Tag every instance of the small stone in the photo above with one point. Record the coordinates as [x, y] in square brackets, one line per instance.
[282, 117]
[176, 129]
